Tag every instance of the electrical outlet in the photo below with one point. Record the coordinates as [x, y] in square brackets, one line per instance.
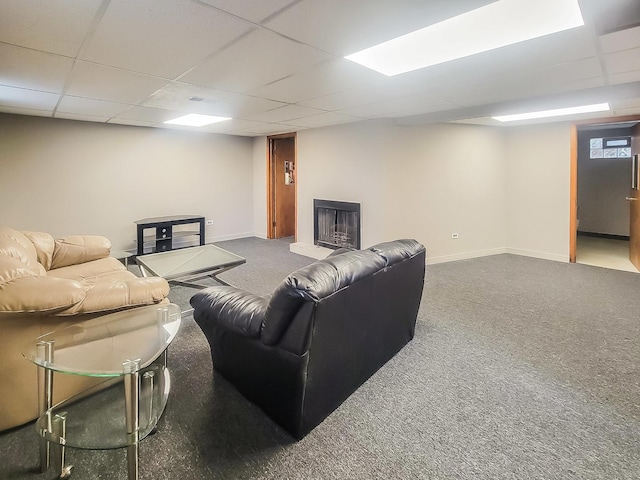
[454, 236]
[209, 222]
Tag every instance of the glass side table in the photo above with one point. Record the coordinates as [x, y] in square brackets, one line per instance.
[127, 348]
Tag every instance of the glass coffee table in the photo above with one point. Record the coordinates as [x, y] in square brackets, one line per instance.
[184, 266]
[127, 348]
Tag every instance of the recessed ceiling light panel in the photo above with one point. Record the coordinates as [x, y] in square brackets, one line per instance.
[598, 107]
[196, 120]
[496, 25]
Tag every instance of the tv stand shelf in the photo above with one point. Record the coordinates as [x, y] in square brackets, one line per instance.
[162, 239]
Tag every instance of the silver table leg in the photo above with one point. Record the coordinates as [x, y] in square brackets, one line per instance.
[60, 430]
[132, 402]
[45, 399]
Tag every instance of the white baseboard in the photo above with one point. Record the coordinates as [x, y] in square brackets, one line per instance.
[235, 236]
[309, 250]
[541, 255]
[464, 256]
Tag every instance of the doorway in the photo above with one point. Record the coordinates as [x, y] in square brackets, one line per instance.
[281, 186]
[600, 222]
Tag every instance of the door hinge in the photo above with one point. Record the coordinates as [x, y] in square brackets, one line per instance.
[273, 224]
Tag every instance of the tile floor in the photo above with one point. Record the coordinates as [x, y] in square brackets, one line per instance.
[604, 252]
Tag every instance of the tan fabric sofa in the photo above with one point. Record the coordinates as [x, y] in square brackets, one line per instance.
[47, 284]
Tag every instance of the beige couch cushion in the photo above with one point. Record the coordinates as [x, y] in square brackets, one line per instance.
[14, 244]
[108, 285]
[39, 294]
[44, 245]
[79, 249]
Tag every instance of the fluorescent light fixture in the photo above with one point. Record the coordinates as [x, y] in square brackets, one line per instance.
[598, 107]
[196, 120]
[496, 25]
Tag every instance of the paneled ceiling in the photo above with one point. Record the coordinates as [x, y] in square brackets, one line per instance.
[277, 66]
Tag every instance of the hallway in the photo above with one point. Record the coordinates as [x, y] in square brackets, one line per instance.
[604, 252]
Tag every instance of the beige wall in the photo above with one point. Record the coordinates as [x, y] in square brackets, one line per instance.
[500, 189]
[348, 164]
[69, 177]
[422, 182]
[538, 177]
[449, 179]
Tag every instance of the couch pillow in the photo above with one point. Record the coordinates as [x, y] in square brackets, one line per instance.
[79, 249]
[15, 244]
[44, 245]
[39, 294]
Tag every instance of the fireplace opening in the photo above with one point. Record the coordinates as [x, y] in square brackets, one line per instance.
[336, 224]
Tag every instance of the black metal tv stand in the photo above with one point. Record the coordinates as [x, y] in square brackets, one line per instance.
[164, 234]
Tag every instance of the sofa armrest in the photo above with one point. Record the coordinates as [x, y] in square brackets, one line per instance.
[79, 249]
[230, 308]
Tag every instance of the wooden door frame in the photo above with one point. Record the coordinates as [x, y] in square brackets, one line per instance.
[271, 231]
[573, 187]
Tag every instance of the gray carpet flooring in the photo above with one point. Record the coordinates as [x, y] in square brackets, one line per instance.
[520, 369]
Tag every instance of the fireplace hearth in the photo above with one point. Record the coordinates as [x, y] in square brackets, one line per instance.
[336, 224]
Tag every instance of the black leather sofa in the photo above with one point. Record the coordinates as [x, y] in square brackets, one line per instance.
[325, 330]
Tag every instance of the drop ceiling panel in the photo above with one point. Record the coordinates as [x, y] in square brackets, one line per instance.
[628, 111]
[104, 83]
[623, 61]
[83, 118]
[128, 121]
[627, 103]
[56, 26]
[177, 96]
[88, 106]
[282, 114]
[236, 105]
[232, 125]
[545, 81]
[160, 37]
[358, 24]
[147, 114]
[324, 79]
[27, 111]
[255, 11]
[324, 119]
[627, 77]
[343, 100]
[623, 40]
[408, 105]
[26, 68]
[259, 58]
[270, 129]
[23, 98]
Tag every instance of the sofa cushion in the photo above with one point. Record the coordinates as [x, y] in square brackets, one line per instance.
[77, 249]
[108, 285]
[41, 294]
[15, 245]
[116, 294]
[394, 252]
[313, 283]
[44, 244]
[97, 268]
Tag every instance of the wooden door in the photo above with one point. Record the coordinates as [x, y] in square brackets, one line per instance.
[634, 200]
[283, 178]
